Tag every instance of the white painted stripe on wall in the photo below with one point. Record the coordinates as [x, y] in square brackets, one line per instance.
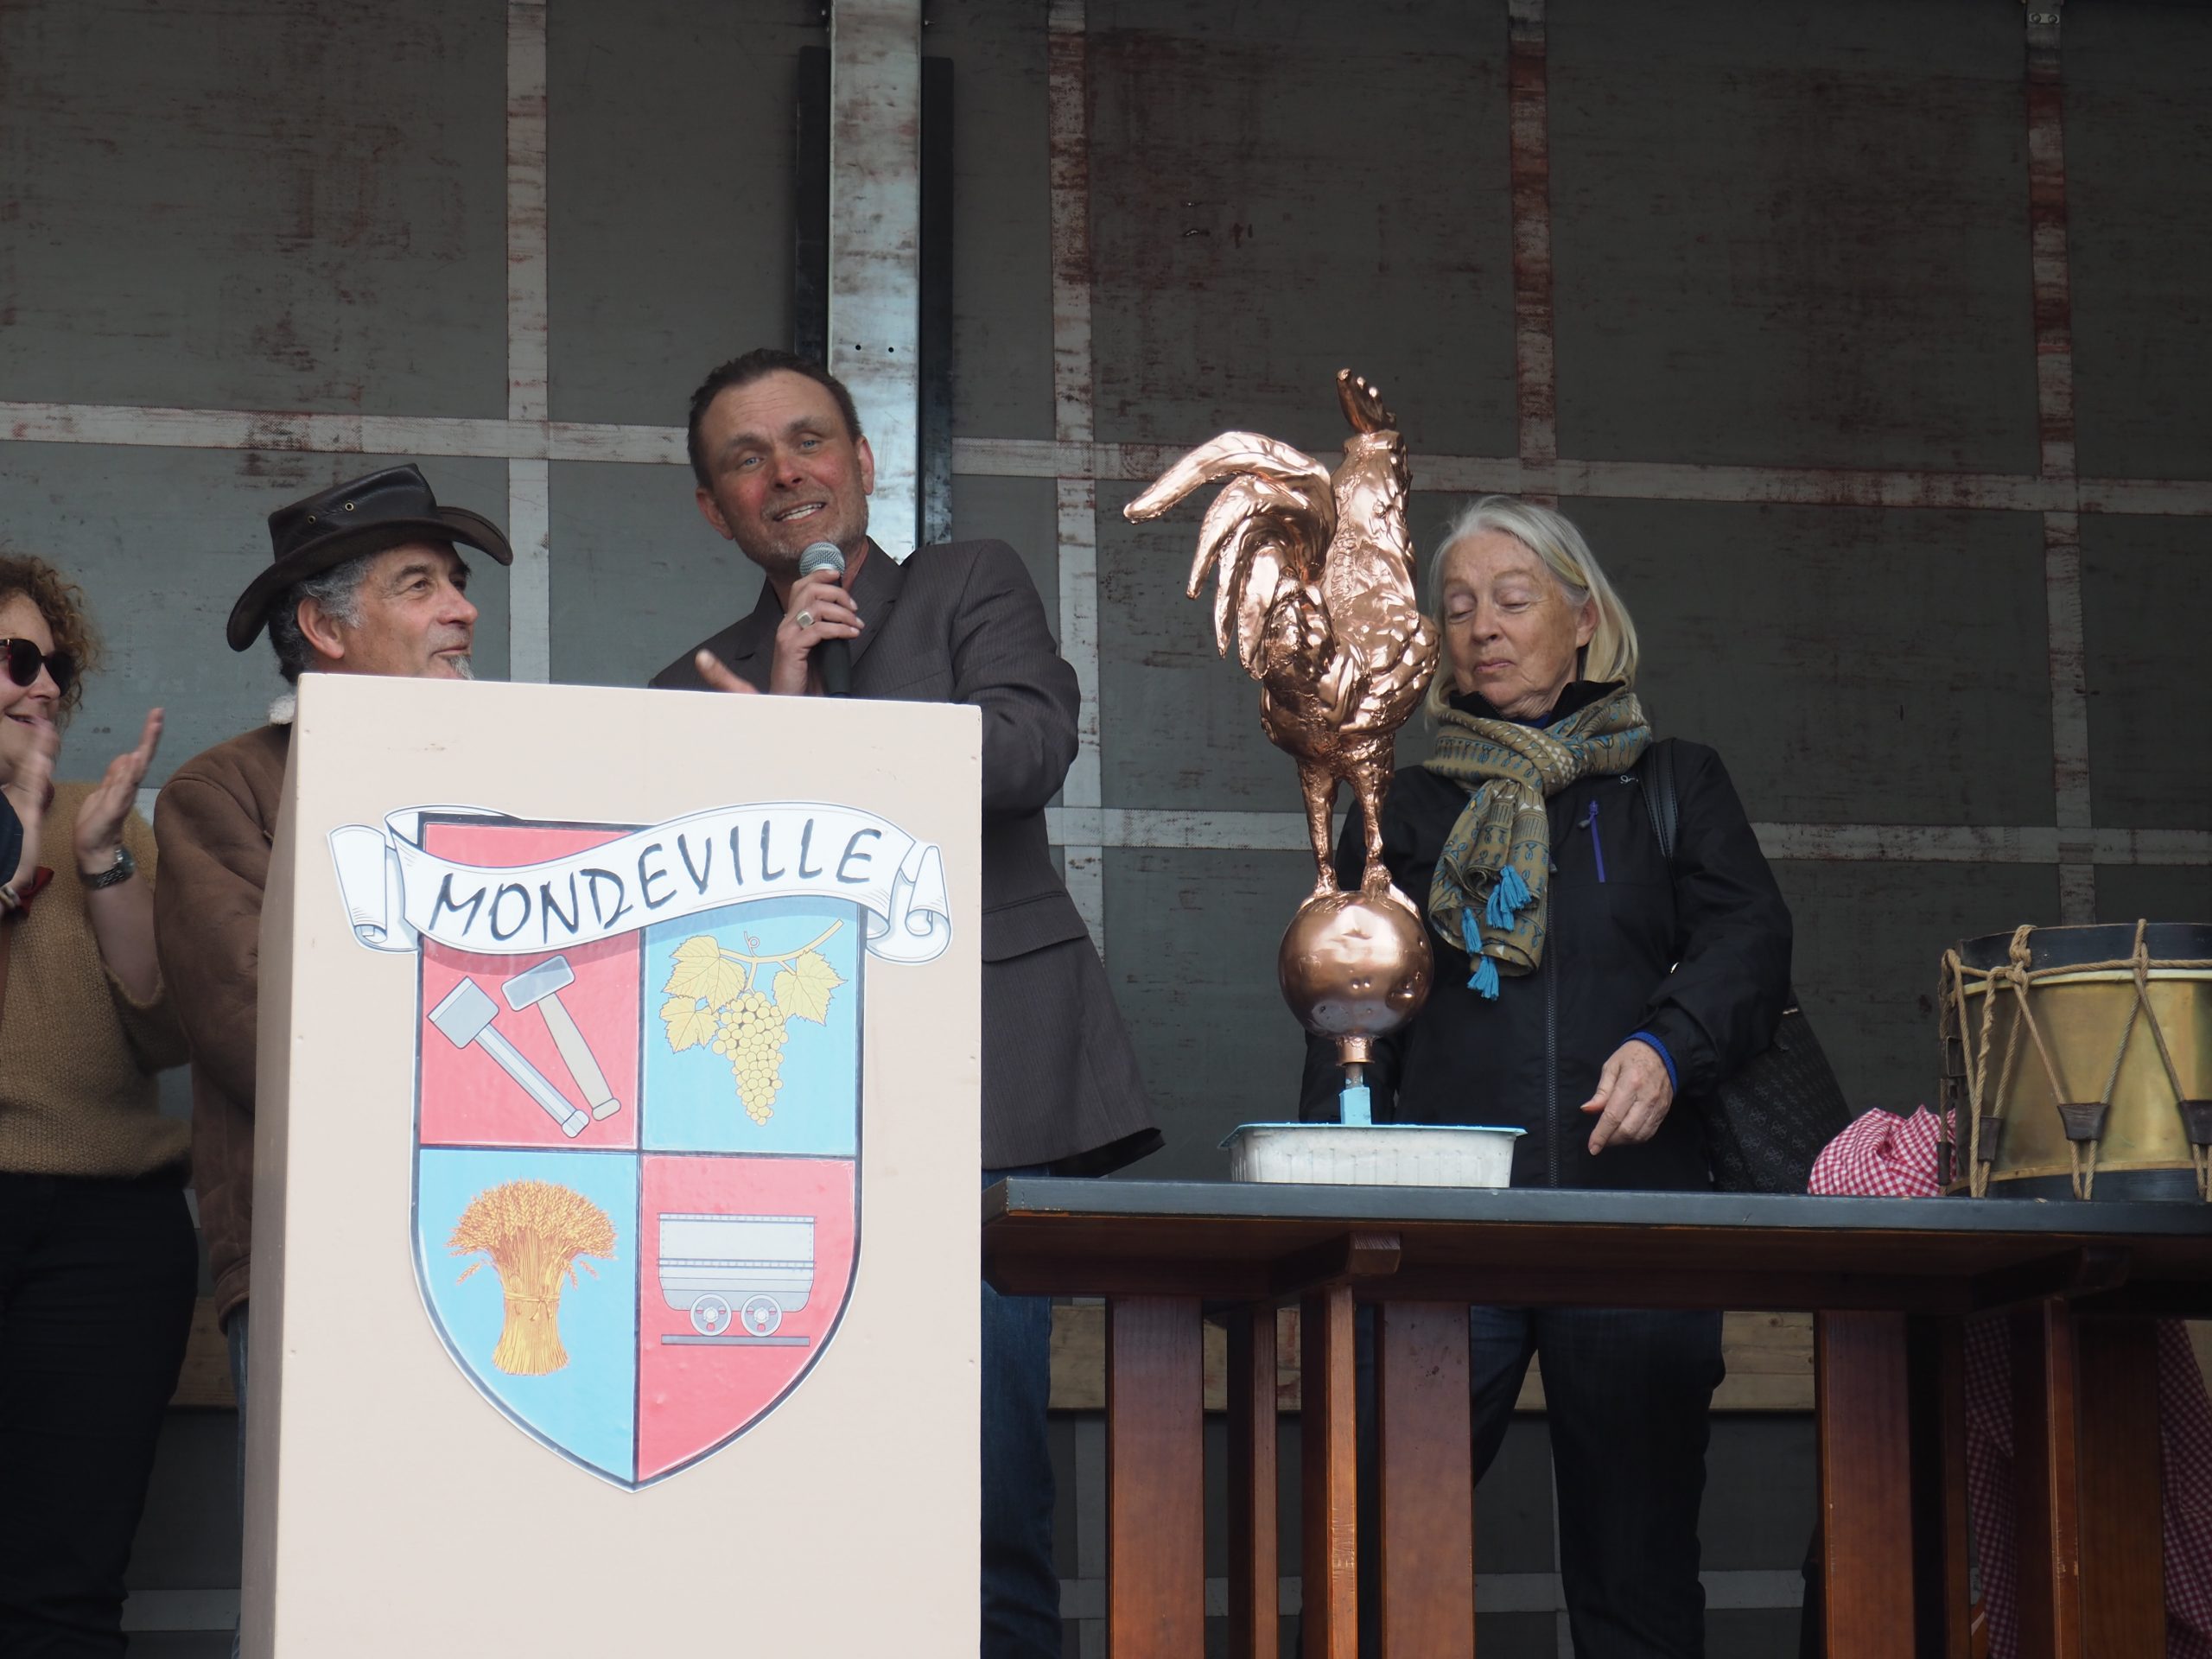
[1078, 521]
[530, 508]
[2052, 341]
[1905, 843]
[1899, 843]
[2151, 845]
[431, 436]
[528, 257]
[133, 426]
[529, 579]
[875, 243]
[1837, 486]
[1529, 144]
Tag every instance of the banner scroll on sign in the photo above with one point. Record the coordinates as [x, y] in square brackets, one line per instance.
[397, 894]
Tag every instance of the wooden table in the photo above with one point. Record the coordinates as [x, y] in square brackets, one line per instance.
[1889, 1280]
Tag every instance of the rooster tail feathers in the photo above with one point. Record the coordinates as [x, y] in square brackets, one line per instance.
[1267, 533]
[1230, 455]
[1232, 510]
[1260, 539]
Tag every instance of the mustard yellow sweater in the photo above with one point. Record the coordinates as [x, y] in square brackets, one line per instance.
[78, 1054]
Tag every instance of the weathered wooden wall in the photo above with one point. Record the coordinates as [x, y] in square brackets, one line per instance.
[1869, 345]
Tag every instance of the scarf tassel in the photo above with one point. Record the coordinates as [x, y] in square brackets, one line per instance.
[1484, 983]
[1506, 899]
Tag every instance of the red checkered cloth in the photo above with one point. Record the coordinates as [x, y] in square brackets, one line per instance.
[1882, 1155]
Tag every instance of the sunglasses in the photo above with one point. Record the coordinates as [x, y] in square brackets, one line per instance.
[25, 660]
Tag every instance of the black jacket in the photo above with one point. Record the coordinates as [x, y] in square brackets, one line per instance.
[1698, 955]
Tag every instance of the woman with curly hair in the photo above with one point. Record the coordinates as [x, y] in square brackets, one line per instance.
[14, 839]
[98, 1262]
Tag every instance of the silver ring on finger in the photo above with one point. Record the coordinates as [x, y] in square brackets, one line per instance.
[804, 619]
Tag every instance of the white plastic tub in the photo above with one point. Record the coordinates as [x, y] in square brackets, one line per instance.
[1338, 1155]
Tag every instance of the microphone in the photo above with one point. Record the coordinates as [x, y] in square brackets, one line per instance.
[833, 656]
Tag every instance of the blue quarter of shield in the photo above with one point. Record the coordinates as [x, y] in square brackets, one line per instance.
[586, 1408]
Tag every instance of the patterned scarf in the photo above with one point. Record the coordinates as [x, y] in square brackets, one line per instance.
[1492, 876]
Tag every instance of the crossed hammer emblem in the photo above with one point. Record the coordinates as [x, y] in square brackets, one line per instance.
[465, 1016]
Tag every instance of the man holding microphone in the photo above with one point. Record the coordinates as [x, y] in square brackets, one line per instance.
[782, 470]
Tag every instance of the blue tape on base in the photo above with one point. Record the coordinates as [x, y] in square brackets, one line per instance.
[1356, 1106]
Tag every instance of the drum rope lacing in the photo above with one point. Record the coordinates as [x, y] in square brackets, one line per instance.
[2084, 1120]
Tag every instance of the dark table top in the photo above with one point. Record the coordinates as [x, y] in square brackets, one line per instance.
[1247, 1242]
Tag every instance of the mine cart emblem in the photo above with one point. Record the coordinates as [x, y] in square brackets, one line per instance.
[638, 1101]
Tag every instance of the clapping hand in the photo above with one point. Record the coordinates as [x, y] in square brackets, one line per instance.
[99, 820]
[30, 780]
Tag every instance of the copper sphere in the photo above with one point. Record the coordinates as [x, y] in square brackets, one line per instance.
[1354, 968]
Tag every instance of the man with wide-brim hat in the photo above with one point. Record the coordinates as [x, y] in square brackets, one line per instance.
[365, 579]
[327, 580]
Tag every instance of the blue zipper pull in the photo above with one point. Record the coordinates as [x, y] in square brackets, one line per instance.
[1597, 847]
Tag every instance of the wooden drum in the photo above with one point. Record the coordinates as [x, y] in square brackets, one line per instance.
[2077, 1063]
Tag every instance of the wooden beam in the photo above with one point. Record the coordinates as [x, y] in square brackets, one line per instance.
[1865, 1484]
[1426, 1538]
[1942, 1540]
[2123, 1572]
[1155, 1479]
[1255, 1606]
[2046, 1469]
[1330, 1584]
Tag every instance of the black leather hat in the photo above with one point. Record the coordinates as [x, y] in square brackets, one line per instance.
[386, 509]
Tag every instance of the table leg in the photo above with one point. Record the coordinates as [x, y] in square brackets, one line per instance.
[1427, 1539]
[1155, 1478]
[1862, 1390]
[1254, 1599]
[2123, 1575]
[1943, 1543]
[1328, 1436]
[2046, 1471]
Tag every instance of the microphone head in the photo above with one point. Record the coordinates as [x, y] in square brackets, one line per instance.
[822, 555]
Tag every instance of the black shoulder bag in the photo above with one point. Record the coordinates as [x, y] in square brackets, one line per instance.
[1764, 1125]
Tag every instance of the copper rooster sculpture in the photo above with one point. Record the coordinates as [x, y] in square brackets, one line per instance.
[1315, 580]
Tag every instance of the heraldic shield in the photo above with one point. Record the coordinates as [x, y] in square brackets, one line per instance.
[637, 1144]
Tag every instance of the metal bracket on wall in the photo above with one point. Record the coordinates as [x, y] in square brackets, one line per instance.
[812, 186]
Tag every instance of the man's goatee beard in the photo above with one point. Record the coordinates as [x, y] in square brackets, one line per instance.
[463, 668]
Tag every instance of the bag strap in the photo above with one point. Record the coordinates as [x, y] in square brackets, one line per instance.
[1656, 771]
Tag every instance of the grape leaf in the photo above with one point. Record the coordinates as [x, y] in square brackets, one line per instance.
[802, 990]
[689, 1025]
[702, 970]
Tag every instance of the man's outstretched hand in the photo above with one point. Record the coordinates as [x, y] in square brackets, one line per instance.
[718, 676]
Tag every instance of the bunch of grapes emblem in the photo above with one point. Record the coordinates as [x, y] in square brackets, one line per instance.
[715, 997]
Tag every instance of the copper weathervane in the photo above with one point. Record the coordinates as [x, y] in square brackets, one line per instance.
[1314, 583]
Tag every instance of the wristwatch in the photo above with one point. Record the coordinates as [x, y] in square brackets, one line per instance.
[122, 870]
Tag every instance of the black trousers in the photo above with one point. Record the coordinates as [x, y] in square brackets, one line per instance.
[1627, 1394]
[96, 1288]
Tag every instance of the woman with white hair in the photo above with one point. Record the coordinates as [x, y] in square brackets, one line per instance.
[1585, 983]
